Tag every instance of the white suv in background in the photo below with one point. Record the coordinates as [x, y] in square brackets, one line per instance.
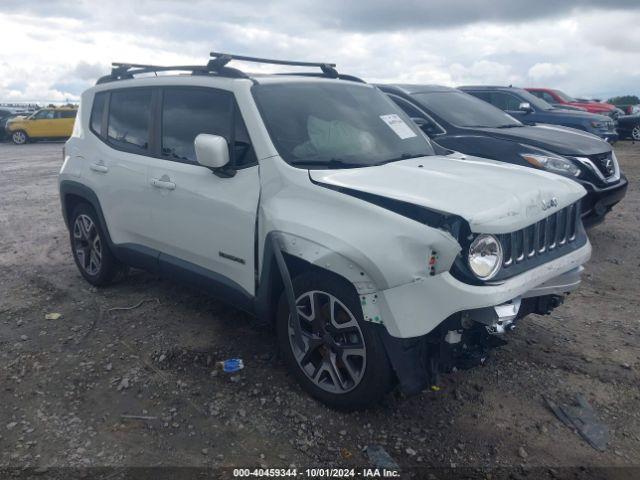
[313, 201]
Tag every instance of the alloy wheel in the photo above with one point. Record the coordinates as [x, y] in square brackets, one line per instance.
[19, 138]
[330, 348]
[87, 244]
[635, 133]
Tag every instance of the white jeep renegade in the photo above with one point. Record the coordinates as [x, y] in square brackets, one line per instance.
[312, 200]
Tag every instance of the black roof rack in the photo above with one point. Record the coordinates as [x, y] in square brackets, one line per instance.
[217, 65]
[221, 59]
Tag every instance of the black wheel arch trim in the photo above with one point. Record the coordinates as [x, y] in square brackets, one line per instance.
[70, 187]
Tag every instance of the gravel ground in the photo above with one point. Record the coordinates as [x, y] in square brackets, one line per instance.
[69, 384]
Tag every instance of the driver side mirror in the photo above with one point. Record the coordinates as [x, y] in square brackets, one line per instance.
[212, 151]
[525, 107]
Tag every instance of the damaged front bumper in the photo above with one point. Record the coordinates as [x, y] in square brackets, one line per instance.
[417, 308]
[464, 337]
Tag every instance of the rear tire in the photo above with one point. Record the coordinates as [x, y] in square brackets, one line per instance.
[342, 361]
[20, 137]
[635, 133]
[91, 252]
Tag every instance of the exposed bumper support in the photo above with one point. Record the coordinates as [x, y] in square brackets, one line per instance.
[497, 319]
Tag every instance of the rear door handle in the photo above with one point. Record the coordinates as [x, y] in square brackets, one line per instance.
[98, 167]
[156, 182]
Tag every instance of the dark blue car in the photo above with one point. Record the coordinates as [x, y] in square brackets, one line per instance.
[531, 110]
[463, 123]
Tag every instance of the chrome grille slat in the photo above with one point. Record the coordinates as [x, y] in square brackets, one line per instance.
[575, 222]
[547, 236]
[508, 253]
[519, 236]
[560, 219]
[543, 228]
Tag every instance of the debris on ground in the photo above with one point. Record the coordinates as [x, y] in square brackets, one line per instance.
[133, 307]
[380, 458]
[52, 316]
[231, 365]
[345, 453]
[138, 417]
[582, 418]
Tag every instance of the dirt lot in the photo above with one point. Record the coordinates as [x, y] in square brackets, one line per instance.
[66, 383]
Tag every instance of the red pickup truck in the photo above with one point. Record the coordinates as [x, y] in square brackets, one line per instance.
[557, 97]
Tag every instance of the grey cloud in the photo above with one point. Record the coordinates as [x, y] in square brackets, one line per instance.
[381, 15]
[89, 71]
[71, 86]
[175, 18]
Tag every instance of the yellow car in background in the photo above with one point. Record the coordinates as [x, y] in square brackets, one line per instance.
[47, 123]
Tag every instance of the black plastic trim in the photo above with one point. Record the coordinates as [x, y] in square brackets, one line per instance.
[69, 187]
[209, 281]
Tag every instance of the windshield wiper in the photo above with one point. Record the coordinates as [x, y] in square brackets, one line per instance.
[510, 125]
[332, 163]
[404, 156]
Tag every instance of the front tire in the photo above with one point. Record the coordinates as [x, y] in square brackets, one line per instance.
[635, 133]
[19, 137]
[92, 255]
[340, 360]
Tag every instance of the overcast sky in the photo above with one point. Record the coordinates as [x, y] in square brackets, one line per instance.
[51, 50]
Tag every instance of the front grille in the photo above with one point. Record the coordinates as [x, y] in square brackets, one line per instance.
[605, 163]
[539, 240]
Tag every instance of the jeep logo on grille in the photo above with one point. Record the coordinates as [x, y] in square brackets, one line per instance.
[547, 204]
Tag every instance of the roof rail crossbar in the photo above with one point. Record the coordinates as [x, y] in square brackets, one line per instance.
[218, 58]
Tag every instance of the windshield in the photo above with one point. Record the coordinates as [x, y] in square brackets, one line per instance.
[333, 125]
[464, 110]
[564, 96]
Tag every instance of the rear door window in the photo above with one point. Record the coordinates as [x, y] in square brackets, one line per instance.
[129, 119]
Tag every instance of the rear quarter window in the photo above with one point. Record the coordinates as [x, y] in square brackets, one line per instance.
[97, 113]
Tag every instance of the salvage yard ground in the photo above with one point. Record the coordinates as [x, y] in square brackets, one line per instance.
[101, 387]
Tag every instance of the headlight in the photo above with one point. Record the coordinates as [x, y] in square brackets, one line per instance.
[485, 256]
[552, 164]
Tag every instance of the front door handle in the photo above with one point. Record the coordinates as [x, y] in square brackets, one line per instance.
[98, 167]
[158, 183]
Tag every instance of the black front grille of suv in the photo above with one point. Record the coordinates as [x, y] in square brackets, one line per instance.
[543, 241]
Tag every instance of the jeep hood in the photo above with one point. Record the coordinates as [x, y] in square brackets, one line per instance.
[554, 138]
[493, 197]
